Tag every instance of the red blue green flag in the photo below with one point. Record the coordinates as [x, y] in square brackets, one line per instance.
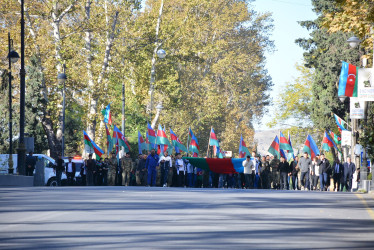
[327, 142]
[122, 141]
[109, 143]
[178, 145]
[141, 143]
[284, 144]
[87, 140]
[213, 141]
[219, 166]
[107, 115]
[162, 139]
[194, 144]
[336, 138]
[243, 150]
[348, 81]
[151, 134]
[340, 122]
[274, 147]
[311, 147]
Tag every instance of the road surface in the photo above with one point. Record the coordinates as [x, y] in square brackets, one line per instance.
[179, 218]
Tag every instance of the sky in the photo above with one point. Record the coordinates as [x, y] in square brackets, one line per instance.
[281, 63]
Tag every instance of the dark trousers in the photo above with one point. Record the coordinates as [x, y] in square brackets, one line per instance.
[306, 176]
[323, 181]
[337, 182]
[181, 179]
[90, 178]
[283, 180]
[294, 179]
[152, 174]
[70, 176]
[58, 177]
[143, 177]
[164, 174]
[247, 179]
[29, 171]
[347, 182]
[315, 181]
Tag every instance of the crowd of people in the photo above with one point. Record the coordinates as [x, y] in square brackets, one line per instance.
[266, 172]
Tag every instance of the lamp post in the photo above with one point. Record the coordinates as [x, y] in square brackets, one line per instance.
[160, 54]
[12, 58]
[21, 145]
[61, 78]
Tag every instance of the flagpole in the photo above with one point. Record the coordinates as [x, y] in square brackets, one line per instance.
[188, 139]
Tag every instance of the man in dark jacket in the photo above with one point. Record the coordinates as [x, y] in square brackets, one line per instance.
[91, 169]
[70, 171]
[337, 173]
[142, 170]
[30, 164]
[294, 172]
[284, 169]
[59, 168]
[349, 169]
[324, 168]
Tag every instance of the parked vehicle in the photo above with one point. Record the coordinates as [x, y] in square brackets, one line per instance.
[49, 171]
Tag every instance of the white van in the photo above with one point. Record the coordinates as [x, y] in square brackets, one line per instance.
[49, 164]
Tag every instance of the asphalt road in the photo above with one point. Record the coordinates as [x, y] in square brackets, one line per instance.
[178, 218]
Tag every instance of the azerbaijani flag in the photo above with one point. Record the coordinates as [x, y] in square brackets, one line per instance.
[141, 143]
[283, 153]
[290, 153]
[213, 141]
[336, 138]
[327, 142]
[107, 115]
[340, 122]
[194, 144]
[311, 147]
[109, 143]
[274, 147]
[178, 145]
[219, 166]
[151, 134]
[243, 150]
[284, 144]
[92, 144]
[122, 139]
[348, 80]
[162, 139]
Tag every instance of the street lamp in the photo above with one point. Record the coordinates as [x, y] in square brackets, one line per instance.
[61, 78]
[21, 143]
[12, 58]
[353, 42]
[160, 54]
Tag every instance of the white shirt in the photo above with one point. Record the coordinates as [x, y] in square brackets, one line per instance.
[166, 158]
[253, 159]
[70, 167]
[248, 166]
[189, 168]
[179, 164]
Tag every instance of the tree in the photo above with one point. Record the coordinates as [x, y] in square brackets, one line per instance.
[294, 102]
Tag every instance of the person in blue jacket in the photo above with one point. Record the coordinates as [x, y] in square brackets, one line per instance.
[151, 164]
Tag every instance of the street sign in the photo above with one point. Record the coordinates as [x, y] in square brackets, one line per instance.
[357, 108]
[365, 85]
[346, 138]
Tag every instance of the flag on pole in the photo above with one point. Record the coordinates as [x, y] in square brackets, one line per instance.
[340, 122]
[348, 81]
[151, 134]
[162, 139]
[213, 141]
[327, 142]
[311, 147]
[243, 150]
[336, 138]
[109, 143]
[217, 151]
[107, 115]
[92, 144]
[274, 147]
[141, 143]
[178, 145]
[194, 144]
[122, 141]
[147, 143]
[283, 142]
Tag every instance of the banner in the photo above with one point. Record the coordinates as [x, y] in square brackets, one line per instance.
[366, 84]
[346, 138]
[357, 108]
